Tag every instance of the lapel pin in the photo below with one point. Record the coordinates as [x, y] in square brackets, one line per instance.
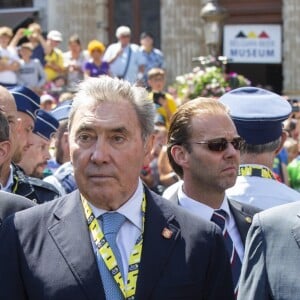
[167, 233]
[248, 220]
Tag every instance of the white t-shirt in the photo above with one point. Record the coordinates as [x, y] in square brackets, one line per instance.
[8, 55]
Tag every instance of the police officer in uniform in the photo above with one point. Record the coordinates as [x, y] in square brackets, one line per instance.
[35, 158]
[18, 183]
[258, 115]
[63, 177]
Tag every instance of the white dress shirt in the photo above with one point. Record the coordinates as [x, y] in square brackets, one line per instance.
[205, 212]
[131, 228]
[10, 181]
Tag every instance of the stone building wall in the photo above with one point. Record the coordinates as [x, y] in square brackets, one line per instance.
[291, 48]
[88, 19]
[182, 36]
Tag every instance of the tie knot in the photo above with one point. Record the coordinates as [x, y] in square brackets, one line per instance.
[219, 218]
[112, 222]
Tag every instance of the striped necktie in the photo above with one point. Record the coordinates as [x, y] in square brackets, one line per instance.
[219, 217]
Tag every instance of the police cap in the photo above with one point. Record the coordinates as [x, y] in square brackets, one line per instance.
[62, 111]
[257, 113]
[26, 100]
[45, 125]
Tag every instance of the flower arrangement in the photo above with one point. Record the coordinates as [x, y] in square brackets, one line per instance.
[207, 82]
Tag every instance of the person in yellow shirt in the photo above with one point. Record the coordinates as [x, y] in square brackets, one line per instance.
[164, 102]
[54, 57]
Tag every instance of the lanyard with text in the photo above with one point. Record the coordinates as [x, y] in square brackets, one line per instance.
[105, 251]
[257, 171]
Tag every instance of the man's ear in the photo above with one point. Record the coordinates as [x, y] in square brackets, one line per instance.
[65, 142]
[5, 151]
[179, 154]
[65, 137]
[148, 149]
[284, 136]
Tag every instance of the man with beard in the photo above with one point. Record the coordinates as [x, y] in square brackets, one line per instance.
[14, 180]
[35, 158]
[204, 150]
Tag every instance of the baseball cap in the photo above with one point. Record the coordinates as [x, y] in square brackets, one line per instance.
[55, 36]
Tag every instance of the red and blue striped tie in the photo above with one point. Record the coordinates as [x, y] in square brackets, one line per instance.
[219, 217]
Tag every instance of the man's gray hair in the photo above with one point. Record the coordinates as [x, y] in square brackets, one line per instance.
[107, 89]
[264, 148]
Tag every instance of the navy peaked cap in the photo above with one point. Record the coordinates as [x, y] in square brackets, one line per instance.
[257, 113]
[62, 111]
[45, 125]
[26, 100]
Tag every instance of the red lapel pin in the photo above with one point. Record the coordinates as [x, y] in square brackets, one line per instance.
[167, 233]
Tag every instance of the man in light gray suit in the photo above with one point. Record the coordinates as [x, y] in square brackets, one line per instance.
[271, 263]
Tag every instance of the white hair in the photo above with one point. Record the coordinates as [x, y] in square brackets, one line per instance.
[122, 30]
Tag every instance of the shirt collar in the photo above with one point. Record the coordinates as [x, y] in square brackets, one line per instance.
[199, 209]
[131, 209]
[10, 180]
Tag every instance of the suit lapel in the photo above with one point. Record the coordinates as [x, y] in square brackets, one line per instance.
[242, 219]
[157, 245]
[71, 235]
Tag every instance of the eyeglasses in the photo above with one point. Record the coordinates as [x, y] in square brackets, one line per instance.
[220, 144]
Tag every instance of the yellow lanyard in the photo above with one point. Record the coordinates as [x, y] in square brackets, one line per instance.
[256, 171]
[15, 186]
[105, 251]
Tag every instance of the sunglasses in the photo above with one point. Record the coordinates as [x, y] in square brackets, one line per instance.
[220, 144]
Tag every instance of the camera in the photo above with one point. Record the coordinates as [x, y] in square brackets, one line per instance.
[156, 97]
[27, 32]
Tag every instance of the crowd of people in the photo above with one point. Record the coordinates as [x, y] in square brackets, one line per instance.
[37, 62]
[111, 189]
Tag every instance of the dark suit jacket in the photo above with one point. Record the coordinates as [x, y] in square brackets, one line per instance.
[11, 203]
[271, 263]
[242, 213]
[47, 254]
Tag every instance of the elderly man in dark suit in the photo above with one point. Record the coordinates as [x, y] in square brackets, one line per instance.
[204, 150]
[112, 238]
